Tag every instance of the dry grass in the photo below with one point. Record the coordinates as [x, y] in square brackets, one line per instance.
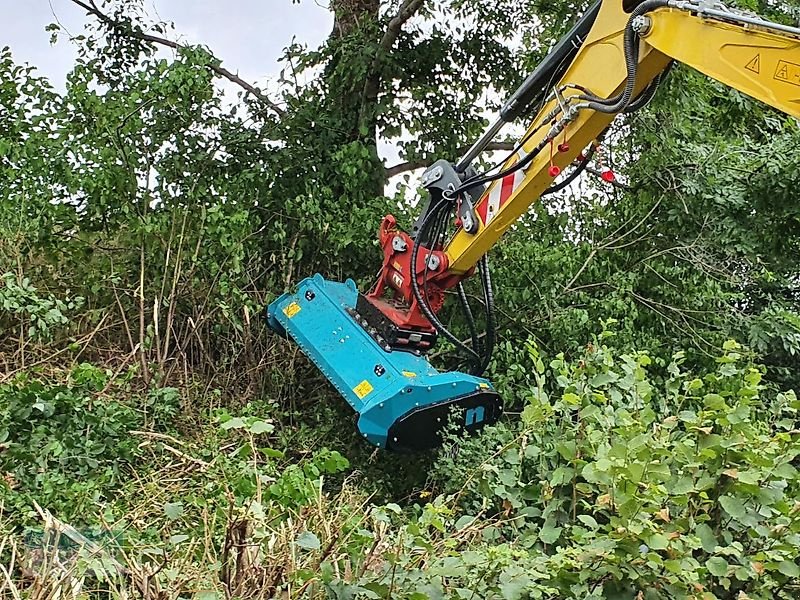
[254, 555]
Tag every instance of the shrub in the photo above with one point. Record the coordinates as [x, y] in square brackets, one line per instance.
[63, 442]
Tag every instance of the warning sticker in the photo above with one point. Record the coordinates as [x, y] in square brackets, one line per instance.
[409, 374]
[362, 389]
[291, 310]
[754, 65]
[788, 72]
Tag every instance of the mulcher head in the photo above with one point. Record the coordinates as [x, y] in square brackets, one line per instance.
[402, 402]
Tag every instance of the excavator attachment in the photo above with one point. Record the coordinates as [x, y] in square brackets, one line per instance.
[402, 403]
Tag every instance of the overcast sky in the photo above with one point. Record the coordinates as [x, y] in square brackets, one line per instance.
[247, 35]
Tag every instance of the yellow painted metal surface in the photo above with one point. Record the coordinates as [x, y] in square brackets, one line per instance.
[599, 66]
[762, 64]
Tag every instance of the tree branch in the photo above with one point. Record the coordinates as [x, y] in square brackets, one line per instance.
[404, 13]
[373, 82]
[91, 9]
[413, 165]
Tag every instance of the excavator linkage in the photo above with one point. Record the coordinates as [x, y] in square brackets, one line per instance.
[402, 403]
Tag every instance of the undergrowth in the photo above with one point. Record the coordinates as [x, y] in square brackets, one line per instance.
[625, 475]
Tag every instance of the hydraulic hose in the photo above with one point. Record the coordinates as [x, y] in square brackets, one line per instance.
[649, 92]
[631, 48]
[491, 321]
[475, 358]
[473, 328]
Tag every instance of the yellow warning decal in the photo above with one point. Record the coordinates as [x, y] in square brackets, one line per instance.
[485, 386]
[362, 389]
[754, 65]
[788, 72]
[409, 374]
[291, 310]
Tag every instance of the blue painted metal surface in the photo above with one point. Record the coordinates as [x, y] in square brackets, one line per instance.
[315, 315]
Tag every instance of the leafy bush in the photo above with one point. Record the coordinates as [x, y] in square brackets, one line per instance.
[631, 475]
[21, 304]
[64, 443]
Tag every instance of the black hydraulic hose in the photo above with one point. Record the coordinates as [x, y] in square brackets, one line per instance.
[644, 98]
[422, 301]
[473, 328]
[572, 176]
[631, 49]
[649, 93]
[491, 321]
[479, 361]
[481, 179]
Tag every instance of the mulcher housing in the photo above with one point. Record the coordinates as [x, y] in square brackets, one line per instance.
[401, 401]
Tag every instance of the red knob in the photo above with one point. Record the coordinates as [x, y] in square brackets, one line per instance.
[564, 147]
[608, 175]
[554, 170]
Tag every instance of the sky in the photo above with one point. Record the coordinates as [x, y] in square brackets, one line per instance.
[247, 35]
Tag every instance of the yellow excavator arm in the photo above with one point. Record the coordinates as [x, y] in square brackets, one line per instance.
[756, 57]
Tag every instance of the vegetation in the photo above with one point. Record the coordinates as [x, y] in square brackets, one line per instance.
[157, 441]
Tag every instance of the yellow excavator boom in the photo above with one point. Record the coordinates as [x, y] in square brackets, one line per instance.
[756, 57]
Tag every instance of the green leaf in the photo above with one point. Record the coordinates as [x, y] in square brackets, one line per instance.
[682, 487]
[734, 507]
[717, 566]
[571, 399]
[235, 423]
[549, 534]
[308, 541]
[464, 521]
[707, 537]
[173, 510]
[589, 521]
[788, 568]
[177, 539]
[658, 541]
[261, 427]
[602, 379]
[786, 471]
[714, 401]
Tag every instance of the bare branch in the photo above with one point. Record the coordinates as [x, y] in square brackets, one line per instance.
[92, 10]
[407, 10]
[413, 165]
[372, 84]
